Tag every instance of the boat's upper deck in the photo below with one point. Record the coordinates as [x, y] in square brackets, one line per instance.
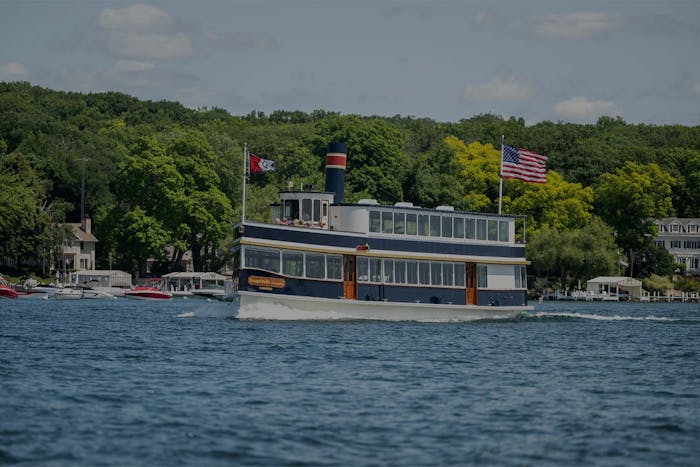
[399, 221]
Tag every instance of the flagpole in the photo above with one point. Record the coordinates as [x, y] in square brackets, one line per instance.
[500, 182]
[245, 161]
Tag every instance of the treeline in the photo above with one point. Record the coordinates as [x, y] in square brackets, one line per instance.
[161, 179]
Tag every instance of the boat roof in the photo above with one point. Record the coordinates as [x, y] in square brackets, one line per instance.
[198, 275]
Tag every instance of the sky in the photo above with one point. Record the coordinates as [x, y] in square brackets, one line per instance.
[555, 60]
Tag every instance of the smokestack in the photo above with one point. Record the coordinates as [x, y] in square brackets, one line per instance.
[336, 160]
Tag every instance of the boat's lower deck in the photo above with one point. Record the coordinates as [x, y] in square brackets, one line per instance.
[266, 282]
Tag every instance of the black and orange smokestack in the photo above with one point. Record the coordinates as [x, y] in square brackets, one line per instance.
[336, 161]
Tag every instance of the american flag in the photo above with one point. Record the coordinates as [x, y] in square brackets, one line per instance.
[523, 165]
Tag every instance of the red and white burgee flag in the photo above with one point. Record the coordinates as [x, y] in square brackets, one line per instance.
[523, 165]
[259, 165]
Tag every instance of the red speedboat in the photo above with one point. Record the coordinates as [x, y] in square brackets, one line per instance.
[6, 290]
[147, 293]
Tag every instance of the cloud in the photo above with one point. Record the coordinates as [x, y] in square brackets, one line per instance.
[581, 25]
[696, 88]
[13, 71]
[575, 25]
[498, 89]
[137, 18]
[143, 31]
[580, 108]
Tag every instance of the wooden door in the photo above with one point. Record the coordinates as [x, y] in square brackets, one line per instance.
[471, 283]
[349, 277]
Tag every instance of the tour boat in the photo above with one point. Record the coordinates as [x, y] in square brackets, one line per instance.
[144, 292]
[321, 258]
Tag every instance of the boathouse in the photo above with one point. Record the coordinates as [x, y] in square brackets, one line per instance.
[614, 288]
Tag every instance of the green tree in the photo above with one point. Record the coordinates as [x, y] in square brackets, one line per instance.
[480, 172]
[574, 255]
[21, 220]
[629, 200]
[557, 204]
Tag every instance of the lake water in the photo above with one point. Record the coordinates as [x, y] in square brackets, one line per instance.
[147, 383]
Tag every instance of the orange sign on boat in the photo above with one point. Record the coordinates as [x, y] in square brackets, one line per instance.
[267, 282]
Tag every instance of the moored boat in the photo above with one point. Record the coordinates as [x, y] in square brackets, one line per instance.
[322, 258]
[143, 292]
[68, 293]
[6, 290]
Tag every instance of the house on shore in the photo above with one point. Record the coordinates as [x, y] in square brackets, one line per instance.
[681, 238]
[80, 252]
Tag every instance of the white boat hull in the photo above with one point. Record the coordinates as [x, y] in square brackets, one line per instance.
[265, 306]
[68, 294]
[97, 294]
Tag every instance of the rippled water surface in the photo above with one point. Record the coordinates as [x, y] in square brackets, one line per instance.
[141, 383]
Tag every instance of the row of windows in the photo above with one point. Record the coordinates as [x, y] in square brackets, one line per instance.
[398, 271]
[435, 225]
[678, 244]
[371, 270]
[690, 228]
[295, 263]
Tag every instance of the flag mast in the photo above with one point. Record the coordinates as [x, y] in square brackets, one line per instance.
[245, 157]
[500, 183]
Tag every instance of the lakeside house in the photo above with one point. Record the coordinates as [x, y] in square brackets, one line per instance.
[681, 238]
[79, 253]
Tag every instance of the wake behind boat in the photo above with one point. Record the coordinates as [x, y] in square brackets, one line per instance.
[321, 258]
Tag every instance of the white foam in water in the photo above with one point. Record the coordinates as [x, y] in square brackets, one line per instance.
[281, 312]
[543, 314]
[209, 310]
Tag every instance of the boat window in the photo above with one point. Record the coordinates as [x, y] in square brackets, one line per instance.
[493, 230]
[400, 271]
[434, 226]
[306, 210]
[503, 231]
[262, 258]
[481, 229]
[399, 222]
[424, 273]
[469, 230]
[315, 266]
[423, 224]
[447, 274]
[334, 267]
[317, 210]
[481, 276]
[388, 271]
[362, 269]
[435, 273]
[412, 272]
[459, 274]
[375, 266]
[374, 221]
[292, 263]
[411, 224]
[291, 209]
[387, 222]
[459, 227]
[447, 226]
